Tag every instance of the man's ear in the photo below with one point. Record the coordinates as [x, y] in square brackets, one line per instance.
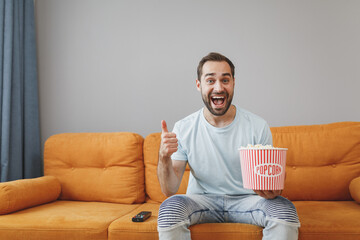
[198, 83]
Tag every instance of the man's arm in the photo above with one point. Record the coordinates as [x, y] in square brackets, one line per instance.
[169, 171]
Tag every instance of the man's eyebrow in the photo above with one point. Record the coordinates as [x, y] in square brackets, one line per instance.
[226, 74]
[213, 74]
[209, 74]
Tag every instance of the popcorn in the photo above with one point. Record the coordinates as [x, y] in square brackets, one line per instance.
[259, 146]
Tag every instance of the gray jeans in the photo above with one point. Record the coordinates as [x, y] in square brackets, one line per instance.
[278, 216]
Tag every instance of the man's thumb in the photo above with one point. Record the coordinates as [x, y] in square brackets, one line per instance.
[164, 126]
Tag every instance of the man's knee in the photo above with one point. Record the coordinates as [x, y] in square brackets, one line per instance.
[173, 210]
[280, 230]
[282, 210]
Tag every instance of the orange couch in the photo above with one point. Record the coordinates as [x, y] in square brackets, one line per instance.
[95, 182]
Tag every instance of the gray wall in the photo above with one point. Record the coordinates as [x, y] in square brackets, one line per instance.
[109, 65]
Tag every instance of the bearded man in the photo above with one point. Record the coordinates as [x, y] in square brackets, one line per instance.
[208, 140]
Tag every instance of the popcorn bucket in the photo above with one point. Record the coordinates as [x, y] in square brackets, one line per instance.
[263, 169]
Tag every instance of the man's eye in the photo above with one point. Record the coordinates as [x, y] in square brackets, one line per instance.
[209, 81]
[226, 80]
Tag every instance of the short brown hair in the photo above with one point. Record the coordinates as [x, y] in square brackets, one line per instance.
[216, 57]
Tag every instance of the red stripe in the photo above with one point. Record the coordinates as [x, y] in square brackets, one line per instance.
[246, 162]
[258, 178]
[253, 173]
[272, 179]
[242, 160]
[251, 170]
[260, 161]
[270, 185]
[246, 166]
[263, 178]
[282, 169]
[248, 170]
[277, 177]
[277, 161]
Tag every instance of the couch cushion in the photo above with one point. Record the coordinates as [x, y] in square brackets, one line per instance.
[354, 189]
[63, 220]
[328, 220]
[104, 167]
[321, 161]
[24, 193]
[151, 158]
[320, 220]
[124, 228]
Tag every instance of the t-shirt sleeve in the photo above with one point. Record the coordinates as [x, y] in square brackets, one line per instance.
[266, 136]
[180, 154]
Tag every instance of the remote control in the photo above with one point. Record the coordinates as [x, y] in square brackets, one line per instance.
[141, 216]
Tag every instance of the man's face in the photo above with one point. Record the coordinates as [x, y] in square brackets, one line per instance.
[216, 87]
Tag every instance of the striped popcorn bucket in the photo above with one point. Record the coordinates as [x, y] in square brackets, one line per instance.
[263, 169]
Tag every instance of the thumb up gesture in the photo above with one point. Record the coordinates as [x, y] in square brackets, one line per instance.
[169, 142]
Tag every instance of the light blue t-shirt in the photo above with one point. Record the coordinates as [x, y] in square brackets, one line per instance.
[212, 153]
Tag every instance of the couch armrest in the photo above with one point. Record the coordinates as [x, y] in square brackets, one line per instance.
[25, 193]
[354, 188]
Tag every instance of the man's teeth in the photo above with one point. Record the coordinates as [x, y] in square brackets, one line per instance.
[218, 100]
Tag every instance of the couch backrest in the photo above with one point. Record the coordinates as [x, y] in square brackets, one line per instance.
[151, 157]
[105, 167]
[321, 161]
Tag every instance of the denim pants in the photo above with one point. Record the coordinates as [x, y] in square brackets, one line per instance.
[277, 216]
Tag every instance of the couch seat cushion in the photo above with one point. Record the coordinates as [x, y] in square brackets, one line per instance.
[124, 228]
[320, 220]
[333, 220]
[63, 220]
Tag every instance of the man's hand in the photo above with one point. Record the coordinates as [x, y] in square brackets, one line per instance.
[268, 194]
[169, 172]
[169, 142]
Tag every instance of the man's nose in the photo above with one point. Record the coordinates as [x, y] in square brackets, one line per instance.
[218, 86]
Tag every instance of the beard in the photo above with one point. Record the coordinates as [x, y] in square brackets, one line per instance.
[217, 111]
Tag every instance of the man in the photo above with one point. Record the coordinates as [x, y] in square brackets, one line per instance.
[208, 140]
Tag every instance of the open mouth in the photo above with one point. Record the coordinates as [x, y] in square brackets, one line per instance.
[218, 101]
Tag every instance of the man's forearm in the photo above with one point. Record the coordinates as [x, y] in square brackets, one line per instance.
[169, 181]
